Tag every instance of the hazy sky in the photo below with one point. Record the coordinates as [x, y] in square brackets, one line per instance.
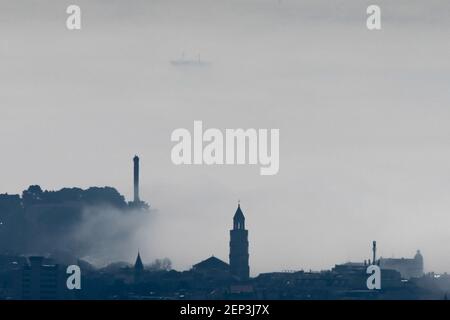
[363, 118]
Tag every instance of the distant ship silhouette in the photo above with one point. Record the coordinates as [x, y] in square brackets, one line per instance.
[187, 62]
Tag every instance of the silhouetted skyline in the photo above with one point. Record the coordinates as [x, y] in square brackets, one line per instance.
[362, 115]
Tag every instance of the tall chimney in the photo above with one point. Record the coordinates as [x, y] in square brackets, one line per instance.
[374, 250]
[136, 179]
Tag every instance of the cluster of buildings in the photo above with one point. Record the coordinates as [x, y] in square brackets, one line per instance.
[216, 279]
[408, 268]
[33, 278]
[40, 278]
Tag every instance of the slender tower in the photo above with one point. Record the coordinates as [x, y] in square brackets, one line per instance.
[374, 252]
[136, 179]
[138, 268]
[239, 266]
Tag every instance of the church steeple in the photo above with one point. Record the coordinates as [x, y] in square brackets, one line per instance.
[138, 265]
[239, 266]
[239, 219]
[138, 268]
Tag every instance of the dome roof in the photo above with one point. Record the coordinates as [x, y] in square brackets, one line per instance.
[418, 255]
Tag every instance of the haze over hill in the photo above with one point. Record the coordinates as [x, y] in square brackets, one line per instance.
[94, 224]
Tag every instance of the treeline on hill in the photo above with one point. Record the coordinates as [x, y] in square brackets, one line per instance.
[40, 220]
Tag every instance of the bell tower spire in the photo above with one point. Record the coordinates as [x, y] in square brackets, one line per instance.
[239, 256]
[239, 219]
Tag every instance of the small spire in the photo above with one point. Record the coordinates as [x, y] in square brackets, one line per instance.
[238, 218]
[138, 265]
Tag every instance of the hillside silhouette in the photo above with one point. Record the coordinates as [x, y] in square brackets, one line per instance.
[47, 222]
